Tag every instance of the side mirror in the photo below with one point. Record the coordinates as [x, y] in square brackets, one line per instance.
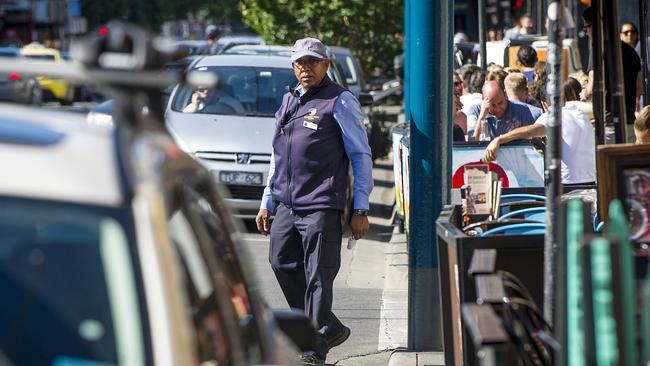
[366, 99]
[298, 327]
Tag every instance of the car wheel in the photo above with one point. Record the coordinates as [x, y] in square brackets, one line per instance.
[36, 96]
[69, 99]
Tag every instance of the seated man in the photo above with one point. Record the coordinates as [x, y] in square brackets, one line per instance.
[578, 144]
[642, 126]
[500, 114]
[517, 89]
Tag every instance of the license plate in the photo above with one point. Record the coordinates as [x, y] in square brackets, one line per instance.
[245, 178]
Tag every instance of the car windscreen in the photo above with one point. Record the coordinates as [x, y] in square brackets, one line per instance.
[41, 57]
[68, 286]
[347, 67]
[241, 90]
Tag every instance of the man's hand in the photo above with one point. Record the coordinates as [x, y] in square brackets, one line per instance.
[485, 106]
[491, 150]
[359, 225]
[263, 222]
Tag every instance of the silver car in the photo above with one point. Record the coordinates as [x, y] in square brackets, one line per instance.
[126, 258]
[231, 134]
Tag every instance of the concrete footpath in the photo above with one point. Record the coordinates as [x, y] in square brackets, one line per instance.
[394, 312]
[393, 307]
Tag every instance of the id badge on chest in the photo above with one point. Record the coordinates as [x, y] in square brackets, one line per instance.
[310, 125]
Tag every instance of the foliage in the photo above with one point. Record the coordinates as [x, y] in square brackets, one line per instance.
[367, 27]
[152, 13]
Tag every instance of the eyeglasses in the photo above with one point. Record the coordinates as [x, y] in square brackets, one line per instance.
[628, 32]
[307, 61]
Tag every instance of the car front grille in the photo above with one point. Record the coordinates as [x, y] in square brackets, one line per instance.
[233, 157]
[246, 192]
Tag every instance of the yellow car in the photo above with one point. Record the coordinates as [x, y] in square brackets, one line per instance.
[59, 89]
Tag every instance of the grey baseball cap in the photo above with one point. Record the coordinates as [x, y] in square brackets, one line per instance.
[308, 47]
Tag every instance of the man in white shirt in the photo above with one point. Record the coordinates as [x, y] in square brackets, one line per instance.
[578, 144]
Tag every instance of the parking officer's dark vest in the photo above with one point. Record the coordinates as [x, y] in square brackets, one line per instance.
[311, 167]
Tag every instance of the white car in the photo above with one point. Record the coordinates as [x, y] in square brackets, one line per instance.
[120, 252]
[232, 134]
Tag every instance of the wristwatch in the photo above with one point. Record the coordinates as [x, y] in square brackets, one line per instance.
[360, 212]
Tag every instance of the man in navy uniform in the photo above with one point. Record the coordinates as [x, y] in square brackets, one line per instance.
[319, 131]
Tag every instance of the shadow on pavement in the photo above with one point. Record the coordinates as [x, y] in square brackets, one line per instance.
[383, 183]
[386, 166]
[381, 210]
[380, 233]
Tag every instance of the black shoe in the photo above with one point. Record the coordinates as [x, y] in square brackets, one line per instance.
[339, 337]
[311, 360]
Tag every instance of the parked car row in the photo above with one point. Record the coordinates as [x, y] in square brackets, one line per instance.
[117, 248]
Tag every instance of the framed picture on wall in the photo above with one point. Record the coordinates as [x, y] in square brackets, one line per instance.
[624, 173]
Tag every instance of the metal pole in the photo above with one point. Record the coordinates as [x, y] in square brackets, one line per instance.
[430, 51]
[482, 33]
[644, 49]
[407, 57]
[539, 16]
[553, 152]
[613, 62]
[598, 95]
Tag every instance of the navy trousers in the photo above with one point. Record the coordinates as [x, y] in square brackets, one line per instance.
[305, 254]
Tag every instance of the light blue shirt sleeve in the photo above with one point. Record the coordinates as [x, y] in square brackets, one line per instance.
[347, 112]
[267, 199]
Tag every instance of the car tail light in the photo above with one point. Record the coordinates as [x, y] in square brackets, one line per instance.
[13, 76]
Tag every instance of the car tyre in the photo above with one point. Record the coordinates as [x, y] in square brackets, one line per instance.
[35, 96]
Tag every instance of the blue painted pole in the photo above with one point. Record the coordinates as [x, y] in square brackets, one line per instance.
[430, 96]
[407, 68]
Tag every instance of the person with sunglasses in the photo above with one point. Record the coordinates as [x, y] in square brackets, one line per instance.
[632, 77]
[629, 34]
[319, 133]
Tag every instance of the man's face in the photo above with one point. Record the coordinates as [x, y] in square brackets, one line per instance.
[310, 71]
[496, 100]
[628, 35]
[642, 138]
